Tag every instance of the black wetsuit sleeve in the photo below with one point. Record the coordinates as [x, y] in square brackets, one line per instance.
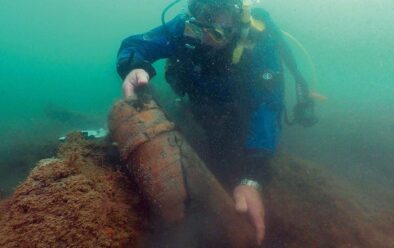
[140, 51]
[256, 166]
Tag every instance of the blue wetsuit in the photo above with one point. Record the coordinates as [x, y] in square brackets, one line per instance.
[239, 106]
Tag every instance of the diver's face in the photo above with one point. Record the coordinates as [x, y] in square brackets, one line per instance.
[218, 28]
[221, 33]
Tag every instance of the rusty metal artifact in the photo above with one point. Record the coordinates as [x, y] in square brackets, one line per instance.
[168, 170]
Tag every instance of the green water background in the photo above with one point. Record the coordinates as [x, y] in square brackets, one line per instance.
[62, 53]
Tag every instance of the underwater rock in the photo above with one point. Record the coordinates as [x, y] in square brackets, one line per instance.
[308, 207]
[78, 200]
[73, 200]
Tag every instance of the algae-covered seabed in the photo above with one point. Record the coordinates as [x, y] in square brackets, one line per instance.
[58, 57]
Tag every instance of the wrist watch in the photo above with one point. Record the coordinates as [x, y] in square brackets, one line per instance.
[251, 183]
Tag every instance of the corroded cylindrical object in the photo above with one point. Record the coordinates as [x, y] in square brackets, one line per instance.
[169, 171]
[147, 141]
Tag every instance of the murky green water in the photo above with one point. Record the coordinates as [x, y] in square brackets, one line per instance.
[60, 55]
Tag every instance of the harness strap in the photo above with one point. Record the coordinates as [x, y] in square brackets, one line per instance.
[244, 42]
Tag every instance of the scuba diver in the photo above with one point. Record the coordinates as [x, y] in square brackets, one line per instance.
[226, 58]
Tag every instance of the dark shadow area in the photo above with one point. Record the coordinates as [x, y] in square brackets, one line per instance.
[29, 140]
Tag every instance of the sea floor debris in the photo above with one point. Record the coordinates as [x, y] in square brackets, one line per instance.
[79, 199]
[74, 200]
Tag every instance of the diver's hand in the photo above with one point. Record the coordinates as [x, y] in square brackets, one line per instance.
[136, 78]
[248, 200]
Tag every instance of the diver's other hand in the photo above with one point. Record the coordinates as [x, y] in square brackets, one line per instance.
[136, 78]
[248, 200]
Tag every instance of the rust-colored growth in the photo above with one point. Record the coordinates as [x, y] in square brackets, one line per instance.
[147, 140]
[72, 201]
[157, 167]
[161, 159]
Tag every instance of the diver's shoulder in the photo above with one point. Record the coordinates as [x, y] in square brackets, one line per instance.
[181, 17]
[177, 20]
[176, 25]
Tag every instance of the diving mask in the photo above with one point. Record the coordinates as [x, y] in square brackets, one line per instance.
[210, 34]
[215, 21]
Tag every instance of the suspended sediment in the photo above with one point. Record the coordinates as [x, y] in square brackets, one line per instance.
[80, 198]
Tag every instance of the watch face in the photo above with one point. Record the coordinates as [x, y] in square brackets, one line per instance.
[251, 183]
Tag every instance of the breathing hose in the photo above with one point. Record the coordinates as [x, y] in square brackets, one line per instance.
[163, 14]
